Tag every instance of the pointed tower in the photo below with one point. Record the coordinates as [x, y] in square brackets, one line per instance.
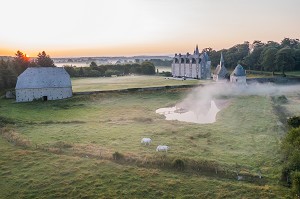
[221, 72]
[197, 50]
[222, 60]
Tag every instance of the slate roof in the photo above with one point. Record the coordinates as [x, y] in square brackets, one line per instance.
[220, 69]
[44, 77]
[239, 71]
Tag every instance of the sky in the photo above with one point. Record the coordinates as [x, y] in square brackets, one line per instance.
[71, 28]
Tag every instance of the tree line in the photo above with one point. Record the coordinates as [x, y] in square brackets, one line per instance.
[270, 56]
[160, 62]
[11, 69]
[94, 70]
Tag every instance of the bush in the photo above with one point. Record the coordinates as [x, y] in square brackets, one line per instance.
[280, 99]
[117, 156]
[178, 164]
[167, 74]
[294, 122]
[296, 184]
[109, 73]
[290, 149]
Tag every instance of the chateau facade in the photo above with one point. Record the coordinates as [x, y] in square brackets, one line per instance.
[195, 65]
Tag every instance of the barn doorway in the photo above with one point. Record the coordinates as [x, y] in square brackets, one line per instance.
[45, 98]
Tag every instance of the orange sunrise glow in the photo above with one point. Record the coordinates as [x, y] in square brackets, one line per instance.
[142, 27]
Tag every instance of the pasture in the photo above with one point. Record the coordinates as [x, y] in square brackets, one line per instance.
[124, 82]
[90, 146]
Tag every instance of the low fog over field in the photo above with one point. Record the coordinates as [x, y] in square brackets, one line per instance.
[203, 103]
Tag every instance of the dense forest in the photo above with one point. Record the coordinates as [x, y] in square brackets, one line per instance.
[269, 56]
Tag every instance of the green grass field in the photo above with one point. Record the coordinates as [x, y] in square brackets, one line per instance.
[293, 73]
[262, 74]
[64, 149]
[115, 83]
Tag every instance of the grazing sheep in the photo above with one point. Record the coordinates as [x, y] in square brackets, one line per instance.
[162, 148]
[146, 141]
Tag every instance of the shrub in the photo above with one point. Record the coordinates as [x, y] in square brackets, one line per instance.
[4, 121]
[280, 99]
[296, 184]
[117, 156]
[110, 72]
[178, 164]
[167, 74]
[294, 122]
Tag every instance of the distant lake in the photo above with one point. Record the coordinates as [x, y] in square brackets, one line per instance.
[84, 64]
[77, 64]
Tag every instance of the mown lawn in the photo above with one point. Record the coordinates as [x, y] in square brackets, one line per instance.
[115, 83]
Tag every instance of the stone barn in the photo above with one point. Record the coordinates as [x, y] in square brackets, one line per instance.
[46, 83]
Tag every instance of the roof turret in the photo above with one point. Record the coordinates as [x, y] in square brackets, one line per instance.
[197, 50]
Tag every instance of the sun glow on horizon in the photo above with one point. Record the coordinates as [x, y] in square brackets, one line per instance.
[135, 27]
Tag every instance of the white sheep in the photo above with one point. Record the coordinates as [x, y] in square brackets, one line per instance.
[146, 141]
[162, 148]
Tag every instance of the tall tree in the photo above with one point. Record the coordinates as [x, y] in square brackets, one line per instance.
[268, 59]
[44, 60]
[147, 68]
[285, 60]
[287, 42]
[297, 59]
[21, 62]
[252, 61]
[8, 76]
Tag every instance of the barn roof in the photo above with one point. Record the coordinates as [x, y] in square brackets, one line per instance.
[44, 77]
[238, 71]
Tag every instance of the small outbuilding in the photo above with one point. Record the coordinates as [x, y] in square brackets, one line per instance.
[45, 83]
[238, 76]
[221, 73]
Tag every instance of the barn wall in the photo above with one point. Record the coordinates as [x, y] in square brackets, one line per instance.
[26, 95]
